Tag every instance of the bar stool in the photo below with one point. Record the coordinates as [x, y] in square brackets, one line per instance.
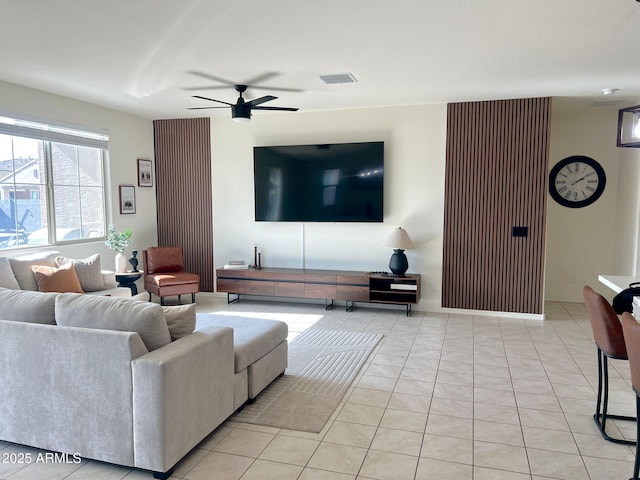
[631, 331]
[609, 338]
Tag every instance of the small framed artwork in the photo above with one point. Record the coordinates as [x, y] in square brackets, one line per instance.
[127, 199]
[145, 173]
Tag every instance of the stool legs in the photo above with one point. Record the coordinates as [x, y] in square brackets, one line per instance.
[602, 402]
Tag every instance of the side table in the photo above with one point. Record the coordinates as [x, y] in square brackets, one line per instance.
[128, 279]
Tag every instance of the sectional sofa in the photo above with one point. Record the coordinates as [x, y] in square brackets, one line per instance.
[126, 381]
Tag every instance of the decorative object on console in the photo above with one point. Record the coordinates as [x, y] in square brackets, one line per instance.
[118, 242]
[629, 127]
[257, 258]
[400, 241]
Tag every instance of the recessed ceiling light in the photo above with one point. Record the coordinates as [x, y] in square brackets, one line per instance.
[609, 91]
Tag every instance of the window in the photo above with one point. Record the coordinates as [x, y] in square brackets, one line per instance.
[52, 187]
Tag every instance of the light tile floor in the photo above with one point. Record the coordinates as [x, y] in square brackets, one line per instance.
[442, 397]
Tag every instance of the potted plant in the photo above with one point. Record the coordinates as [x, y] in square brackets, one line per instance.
[118, 242]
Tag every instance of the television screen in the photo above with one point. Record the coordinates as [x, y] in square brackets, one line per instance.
[319, 183]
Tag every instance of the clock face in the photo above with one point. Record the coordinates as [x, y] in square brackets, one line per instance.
[576, 181]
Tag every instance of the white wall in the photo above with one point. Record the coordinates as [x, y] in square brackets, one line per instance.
[600, 238]
[130, 138]
[414, 192]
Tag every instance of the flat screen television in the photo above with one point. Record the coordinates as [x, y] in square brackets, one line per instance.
[340, 182]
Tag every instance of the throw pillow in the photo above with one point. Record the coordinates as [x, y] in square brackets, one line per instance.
[21, 267]
[7, 278]
[52, 279]
[111, 313]
[88, 270]
[181, 320]
[27, 306]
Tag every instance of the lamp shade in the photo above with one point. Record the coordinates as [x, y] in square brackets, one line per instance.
[399, 238]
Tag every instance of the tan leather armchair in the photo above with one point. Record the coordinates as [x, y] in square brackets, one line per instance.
[164, 274]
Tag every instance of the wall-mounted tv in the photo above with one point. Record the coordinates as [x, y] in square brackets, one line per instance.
[340, 182]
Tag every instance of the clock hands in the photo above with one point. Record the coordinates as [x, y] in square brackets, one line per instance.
[579, 180]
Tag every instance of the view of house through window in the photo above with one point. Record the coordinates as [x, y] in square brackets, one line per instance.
[52, 186]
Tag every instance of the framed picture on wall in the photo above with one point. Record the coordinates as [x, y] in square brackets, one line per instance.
[127, 199]
[145, 173]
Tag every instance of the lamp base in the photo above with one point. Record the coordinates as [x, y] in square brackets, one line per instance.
[398, 263]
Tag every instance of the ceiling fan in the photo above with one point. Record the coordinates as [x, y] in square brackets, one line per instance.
[241, 110]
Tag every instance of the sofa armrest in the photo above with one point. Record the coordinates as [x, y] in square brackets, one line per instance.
[109, 279]
[181, 393]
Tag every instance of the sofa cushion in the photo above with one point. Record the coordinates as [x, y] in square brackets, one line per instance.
[89, 271]
[52, 279]
[27, 306]
[109, 313]
[181, 319]
[253, 338]
[21, 267]
[7, 278]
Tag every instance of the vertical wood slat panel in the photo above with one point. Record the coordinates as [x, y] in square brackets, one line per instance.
[496, 178]
[184, 194]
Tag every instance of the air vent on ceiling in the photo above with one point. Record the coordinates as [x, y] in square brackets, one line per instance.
[336, 78]
[606, 103]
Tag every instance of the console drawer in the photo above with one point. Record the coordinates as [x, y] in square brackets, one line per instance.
[230, 285]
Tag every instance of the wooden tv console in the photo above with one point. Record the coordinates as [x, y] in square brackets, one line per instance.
[330, 285]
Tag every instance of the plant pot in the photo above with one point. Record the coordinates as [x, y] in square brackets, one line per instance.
[121, 263]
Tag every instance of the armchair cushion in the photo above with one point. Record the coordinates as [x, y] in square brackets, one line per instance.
[164, 259]
[178, 278]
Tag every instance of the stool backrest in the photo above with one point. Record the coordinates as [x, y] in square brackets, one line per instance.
[607, 330]
[631, 329]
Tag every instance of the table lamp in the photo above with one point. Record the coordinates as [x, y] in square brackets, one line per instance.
[399, 240]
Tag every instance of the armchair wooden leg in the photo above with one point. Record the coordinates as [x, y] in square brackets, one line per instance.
[193, 298]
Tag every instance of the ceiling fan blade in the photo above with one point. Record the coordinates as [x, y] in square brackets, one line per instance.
[258, 101]
[203, 108]
[212, 99]
[211, 77]
[206, 87]
[262, 78]
[275, 89]
[285, 109]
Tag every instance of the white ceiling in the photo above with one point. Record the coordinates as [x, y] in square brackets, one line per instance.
[137, 55]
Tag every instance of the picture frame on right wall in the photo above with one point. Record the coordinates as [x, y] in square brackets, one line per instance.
[145, 173]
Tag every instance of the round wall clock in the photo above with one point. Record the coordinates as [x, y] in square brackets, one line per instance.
[576, 181]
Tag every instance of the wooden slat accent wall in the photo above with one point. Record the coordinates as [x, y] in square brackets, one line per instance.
[496, 178]
[183, 190]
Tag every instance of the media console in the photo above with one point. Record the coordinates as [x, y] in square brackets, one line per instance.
[330, 285]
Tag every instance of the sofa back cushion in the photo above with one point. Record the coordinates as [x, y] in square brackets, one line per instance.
[111, 313]
[21, 267]
[7, 278]
[27, 306]
[89, 271]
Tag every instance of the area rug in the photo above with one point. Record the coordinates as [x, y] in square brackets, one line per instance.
[322, 365]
